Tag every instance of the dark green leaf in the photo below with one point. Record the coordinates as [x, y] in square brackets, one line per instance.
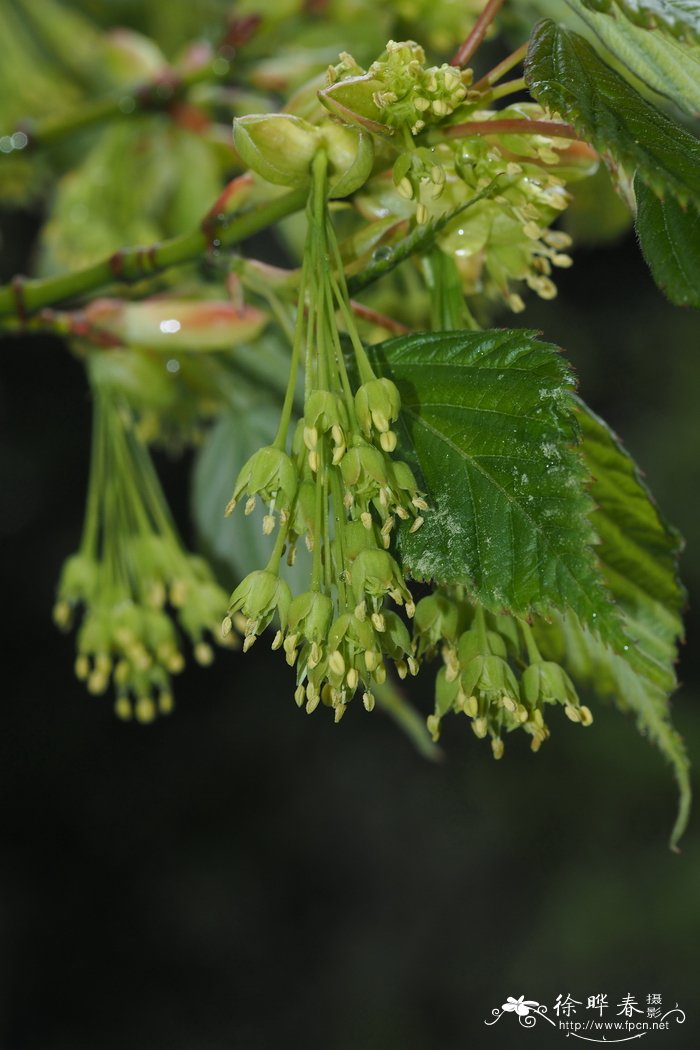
[488, 419]
[638, 553]
[659, 61]
[669, 237]
[680, 17]
[565, 74]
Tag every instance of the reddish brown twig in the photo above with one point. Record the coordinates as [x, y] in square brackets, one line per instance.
[472, 42]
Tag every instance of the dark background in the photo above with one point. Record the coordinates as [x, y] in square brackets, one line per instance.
[240, 875]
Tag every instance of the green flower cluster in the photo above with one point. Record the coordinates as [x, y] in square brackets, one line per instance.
[504, 238]
[481, 654]
[138, 587]
[404, 92]
[340, 488]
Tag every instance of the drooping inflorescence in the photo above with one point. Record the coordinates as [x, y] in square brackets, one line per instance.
[139, 590]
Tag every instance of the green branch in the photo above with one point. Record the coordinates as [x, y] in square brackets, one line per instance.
[155, 95]
[420, 239]
[22, 297]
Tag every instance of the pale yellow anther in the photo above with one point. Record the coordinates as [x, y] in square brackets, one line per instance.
[387, 441]
[312, 703]
[509, 704]
[538, 718]
[421, 103]
[418, 126]
[277, 640]
[290, 643]
[175, 663]
[516, 303]
[314, 655]
[336, 663]
[122, 708]
[564, 261]
[268, 524]
[437, 174]
[471, 706]
[368, 701]
[440, 107]
[82, 667]
[228, 510]
[62, 614]
[226, 626]
[348, 500]
[314, 461]
[248, 642]
[378, 622]
[299, 695]
[401, 668]
[413, 665]
[165, 703]
[372, 660]
[97, 683]
[402, 513]
[480, 727]
[250, 505]
[410, 608]
[310, 438]
[203, 654]
[572, 712]
[361, 611]
[432, 723]
[536, 742]
[405, 189]
[145, 709]
[586, 715]
[545, 288]
[339, 712]
[352, 678]
[419, 503]
[416, 524]
[366, 519]
[421, 214]
[241, 622]
[338, 453]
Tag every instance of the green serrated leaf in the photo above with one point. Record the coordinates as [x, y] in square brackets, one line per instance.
[564, 73]
[488, 420]
[638, 550]
[662, 63]
[638, 554]
[610, 675]
[670, 241]
[681, 18]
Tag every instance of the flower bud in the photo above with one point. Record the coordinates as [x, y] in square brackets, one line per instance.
[377, 404]
[311, 613]
[277, 146]
[350, 158]
[258, 597]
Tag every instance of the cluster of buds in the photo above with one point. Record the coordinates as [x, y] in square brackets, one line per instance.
[478, 677]
[344, 491]
[397, 90]
[502, 239]
[139, 591]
